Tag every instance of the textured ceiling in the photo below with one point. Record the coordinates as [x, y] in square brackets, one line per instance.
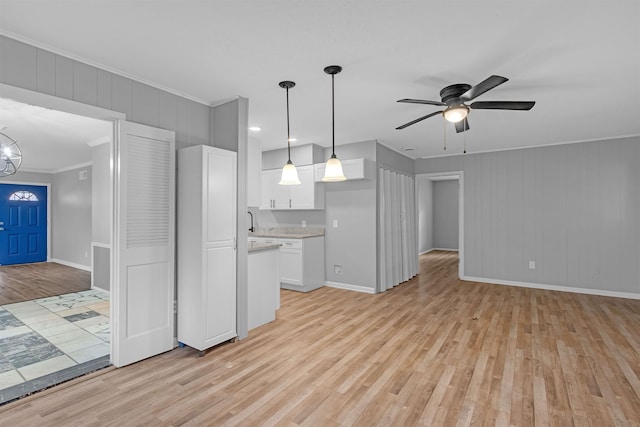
[580, 62]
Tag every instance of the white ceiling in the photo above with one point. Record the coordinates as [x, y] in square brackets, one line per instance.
[51, 140]
[580, 62]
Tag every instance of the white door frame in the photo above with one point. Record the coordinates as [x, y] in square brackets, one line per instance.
[460, 175]
[68, 106]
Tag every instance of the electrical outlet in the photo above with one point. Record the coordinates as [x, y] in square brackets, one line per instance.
[335, 223]
[532, 265]
[337, 269]
[304, 223]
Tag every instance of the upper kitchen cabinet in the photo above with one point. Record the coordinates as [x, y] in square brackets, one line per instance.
[307, 195]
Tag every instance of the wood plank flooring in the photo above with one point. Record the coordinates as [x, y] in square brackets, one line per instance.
[434, 351]
[27, 282]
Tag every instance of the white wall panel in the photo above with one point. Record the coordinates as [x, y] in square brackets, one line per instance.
[20, 66]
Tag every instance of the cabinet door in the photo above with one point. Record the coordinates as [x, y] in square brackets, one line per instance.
[282, 193]
[303, 195]
[273, 195]
[291, 266]
[266, 192]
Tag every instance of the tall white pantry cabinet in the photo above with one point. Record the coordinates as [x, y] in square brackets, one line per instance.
[206, 246]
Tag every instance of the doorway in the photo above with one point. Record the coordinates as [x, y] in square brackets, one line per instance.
[440, 206]
[59, 328]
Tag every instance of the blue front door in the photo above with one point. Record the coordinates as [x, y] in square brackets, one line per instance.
[23, 223]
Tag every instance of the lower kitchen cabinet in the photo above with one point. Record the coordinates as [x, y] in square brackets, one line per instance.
[301, 262]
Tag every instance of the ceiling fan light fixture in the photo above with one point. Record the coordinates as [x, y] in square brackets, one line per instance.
[456, 113]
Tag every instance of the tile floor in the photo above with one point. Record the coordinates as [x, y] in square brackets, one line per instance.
[50, 340]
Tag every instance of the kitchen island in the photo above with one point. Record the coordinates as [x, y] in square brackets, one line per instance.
[263, 283]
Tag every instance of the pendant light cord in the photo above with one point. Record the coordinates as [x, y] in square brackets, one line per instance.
[288, 134]
[333, 118]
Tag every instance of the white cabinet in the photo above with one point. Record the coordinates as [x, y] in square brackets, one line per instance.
[263, 289]
[206, 246]
[307, 195]
[302, 263]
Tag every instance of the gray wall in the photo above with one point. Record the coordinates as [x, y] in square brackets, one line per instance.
[101, 194]
[353, 203]
[32, 177]
[32, 68]
[229, 124]
[424, 190]
[71, 212]
[573, 209]
[445, 214]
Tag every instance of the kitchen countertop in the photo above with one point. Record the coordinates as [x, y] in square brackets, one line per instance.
[259, 246]
[288, 232]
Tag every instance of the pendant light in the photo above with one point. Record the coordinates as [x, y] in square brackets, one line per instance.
[289, 172]
[10, 155]
[333, 169]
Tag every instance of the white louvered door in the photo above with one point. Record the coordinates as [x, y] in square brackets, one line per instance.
[143, 243]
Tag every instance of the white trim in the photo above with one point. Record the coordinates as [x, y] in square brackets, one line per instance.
[100, 141]
[587, 291]
[70, 168]
[552, 144]
[70, 264]
[444, 249]
[349, 287]
[98, 65]
[104, 246]
[425, 252]
[61, 104]
[40, 184]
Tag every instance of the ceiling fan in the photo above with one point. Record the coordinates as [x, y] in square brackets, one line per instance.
[454, 98]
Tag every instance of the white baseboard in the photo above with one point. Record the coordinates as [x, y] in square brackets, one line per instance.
[599, 292]
[438, 249]
[349, 287]
[71, 264]
[100, 289]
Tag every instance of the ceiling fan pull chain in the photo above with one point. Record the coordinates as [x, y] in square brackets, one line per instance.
[444, 127]
[465, 143]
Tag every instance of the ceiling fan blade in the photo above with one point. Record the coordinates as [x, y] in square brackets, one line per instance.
[482, 87]
[503, 105]
[418, 120]
[462, 125]
[421, 101]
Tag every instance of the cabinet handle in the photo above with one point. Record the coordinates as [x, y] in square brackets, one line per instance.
[289, 203]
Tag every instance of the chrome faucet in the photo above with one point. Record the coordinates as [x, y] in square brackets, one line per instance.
[252, 228]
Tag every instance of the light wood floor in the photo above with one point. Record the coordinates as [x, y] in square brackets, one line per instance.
[433, 351]
[40, 280]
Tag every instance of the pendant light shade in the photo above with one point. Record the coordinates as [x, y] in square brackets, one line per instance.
[10, 155]
[333, 169]
[289, 172]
